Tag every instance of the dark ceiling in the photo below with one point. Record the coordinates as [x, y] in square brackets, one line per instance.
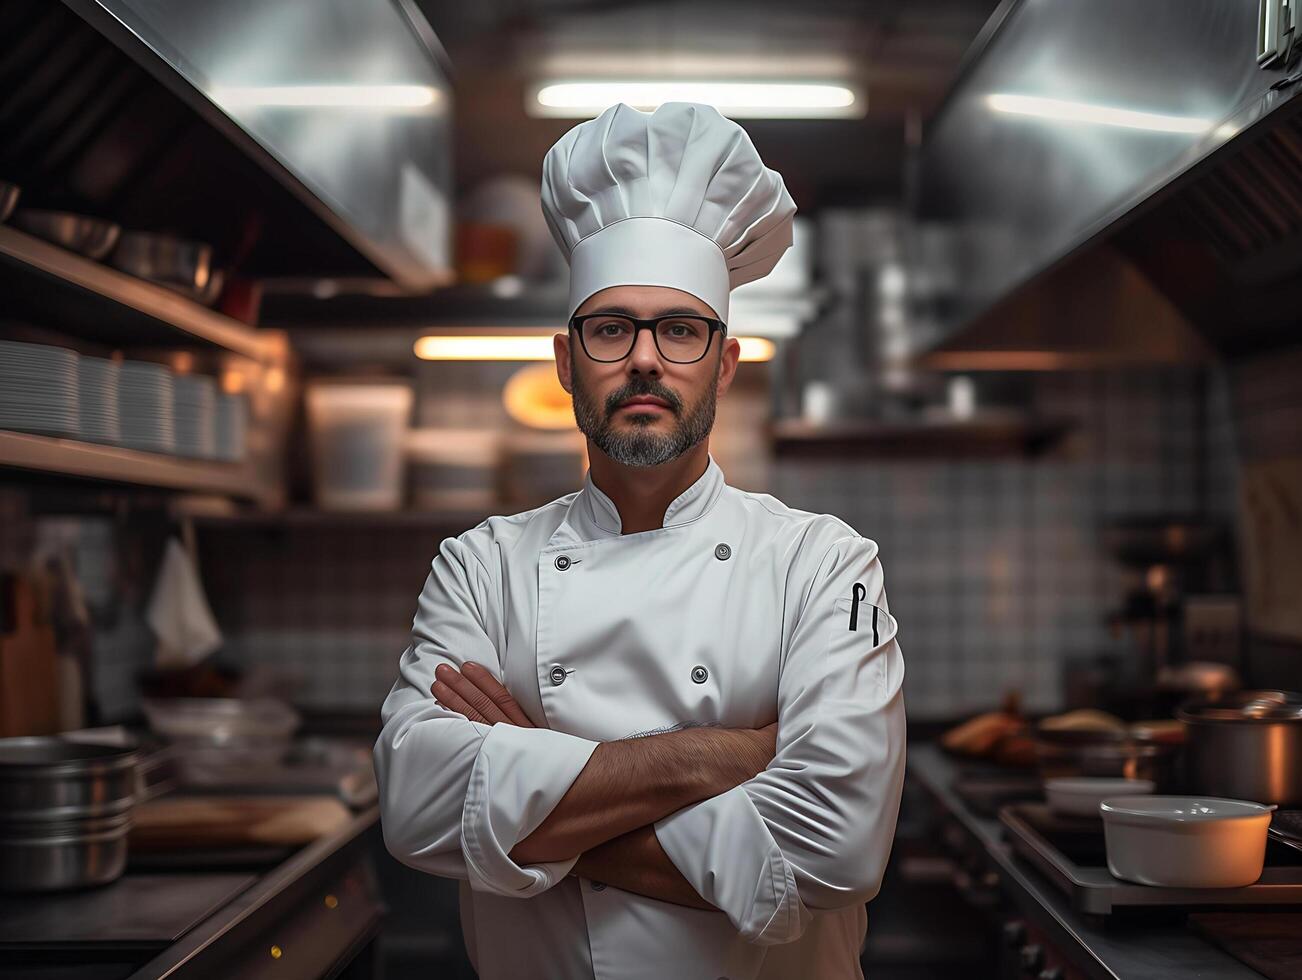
[905, 54]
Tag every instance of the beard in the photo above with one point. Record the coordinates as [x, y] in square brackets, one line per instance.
[638, 443]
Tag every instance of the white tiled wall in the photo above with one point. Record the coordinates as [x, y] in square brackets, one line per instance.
[994, 567]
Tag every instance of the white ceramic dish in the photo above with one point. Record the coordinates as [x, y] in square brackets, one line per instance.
[1185, 841]
[1081, 796]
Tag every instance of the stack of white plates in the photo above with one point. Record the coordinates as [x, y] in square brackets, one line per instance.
[195, 404]
[232, 420]
[145, 406]
[98, 394]
[38, 388]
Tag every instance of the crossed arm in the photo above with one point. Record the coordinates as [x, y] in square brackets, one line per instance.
[607, 814]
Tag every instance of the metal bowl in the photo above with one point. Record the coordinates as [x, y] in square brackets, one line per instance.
[46, 778]
[92, 237]
[9, 194]
[221, 721]
[166, 260]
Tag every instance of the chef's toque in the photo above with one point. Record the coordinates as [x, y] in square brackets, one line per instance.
[676, 197]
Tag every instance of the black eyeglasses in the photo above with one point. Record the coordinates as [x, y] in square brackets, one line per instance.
[680, 337]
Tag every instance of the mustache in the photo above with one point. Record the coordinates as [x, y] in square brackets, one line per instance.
[633, 391]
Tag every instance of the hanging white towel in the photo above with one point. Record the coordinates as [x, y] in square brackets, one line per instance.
[179, 613]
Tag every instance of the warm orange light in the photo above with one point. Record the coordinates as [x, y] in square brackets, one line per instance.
[232, 382]
[522, 346]
[533, 396]
[275, 379]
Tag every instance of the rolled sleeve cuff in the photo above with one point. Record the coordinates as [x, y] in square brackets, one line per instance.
[724, 849]
[518, 777]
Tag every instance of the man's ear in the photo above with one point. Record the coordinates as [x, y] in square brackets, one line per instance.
[728, 358]
[561, 350]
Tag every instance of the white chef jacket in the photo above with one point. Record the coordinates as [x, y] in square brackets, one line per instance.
[739, 611]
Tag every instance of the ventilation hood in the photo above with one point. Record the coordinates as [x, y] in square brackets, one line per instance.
[1116, 182]
[301, 137]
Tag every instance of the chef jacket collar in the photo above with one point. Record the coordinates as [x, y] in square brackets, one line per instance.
[692, 503]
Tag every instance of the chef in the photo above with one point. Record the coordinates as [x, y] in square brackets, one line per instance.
[654, 727]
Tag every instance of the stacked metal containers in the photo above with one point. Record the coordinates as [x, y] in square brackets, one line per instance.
[65, 810]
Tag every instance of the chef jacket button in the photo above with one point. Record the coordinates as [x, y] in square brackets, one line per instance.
[722, 552]
[699, 674]
[557, 674]
[562, 562]
[598, 886]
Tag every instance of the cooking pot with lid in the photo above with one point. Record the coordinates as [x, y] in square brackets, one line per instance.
[1246, 746]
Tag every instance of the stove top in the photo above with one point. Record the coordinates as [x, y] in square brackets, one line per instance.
[1071, 853]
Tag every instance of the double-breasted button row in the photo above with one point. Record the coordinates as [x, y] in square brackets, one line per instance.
[558, 673]
[722, 551]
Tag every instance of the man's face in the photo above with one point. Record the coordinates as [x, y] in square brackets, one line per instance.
[644, 435]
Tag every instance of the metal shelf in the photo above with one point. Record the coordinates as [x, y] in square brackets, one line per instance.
[70, 457]
[317, 519]
[103, 305]
[996, 435]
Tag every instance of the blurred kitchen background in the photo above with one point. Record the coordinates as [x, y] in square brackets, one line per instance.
[278, 300]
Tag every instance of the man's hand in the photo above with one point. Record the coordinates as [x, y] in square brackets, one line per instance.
[475, 692]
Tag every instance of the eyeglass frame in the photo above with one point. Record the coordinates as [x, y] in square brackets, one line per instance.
[640, 324]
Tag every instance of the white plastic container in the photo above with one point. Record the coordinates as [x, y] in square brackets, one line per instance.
[1080, 796]
[454, 468]
[358, 431]
[1185, 841]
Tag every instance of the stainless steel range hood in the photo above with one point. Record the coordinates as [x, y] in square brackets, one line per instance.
[300, 137]
[1118, 181]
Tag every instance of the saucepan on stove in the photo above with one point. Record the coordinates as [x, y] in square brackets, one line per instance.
[1092, 744]
[1246, 746]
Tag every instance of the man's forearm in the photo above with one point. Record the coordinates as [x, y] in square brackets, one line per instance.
[635, 862]
[631, 783]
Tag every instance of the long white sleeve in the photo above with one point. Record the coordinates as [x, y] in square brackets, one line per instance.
[814, 830]
[455, 795]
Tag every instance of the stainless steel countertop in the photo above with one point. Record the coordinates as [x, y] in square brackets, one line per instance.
[266, 899]
[1133, 949]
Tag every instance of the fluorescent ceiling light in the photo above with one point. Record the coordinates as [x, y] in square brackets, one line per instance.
[767, 100]
[533, 347]
[412, 98]
[1103, 115]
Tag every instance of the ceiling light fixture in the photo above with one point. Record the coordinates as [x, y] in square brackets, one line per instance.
[1102, 115]
[755, 100]
[533, 347]
[413, 98]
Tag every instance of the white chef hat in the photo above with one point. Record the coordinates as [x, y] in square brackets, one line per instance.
[676, 197]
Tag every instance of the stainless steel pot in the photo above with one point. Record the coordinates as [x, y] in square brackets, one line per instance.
[65, 809]
[49, 778]
[1246, 746]
[47, 856]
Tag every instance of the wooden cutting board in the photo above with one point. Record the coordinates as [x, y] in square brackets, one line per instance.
[174, 822]
[29, 662]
